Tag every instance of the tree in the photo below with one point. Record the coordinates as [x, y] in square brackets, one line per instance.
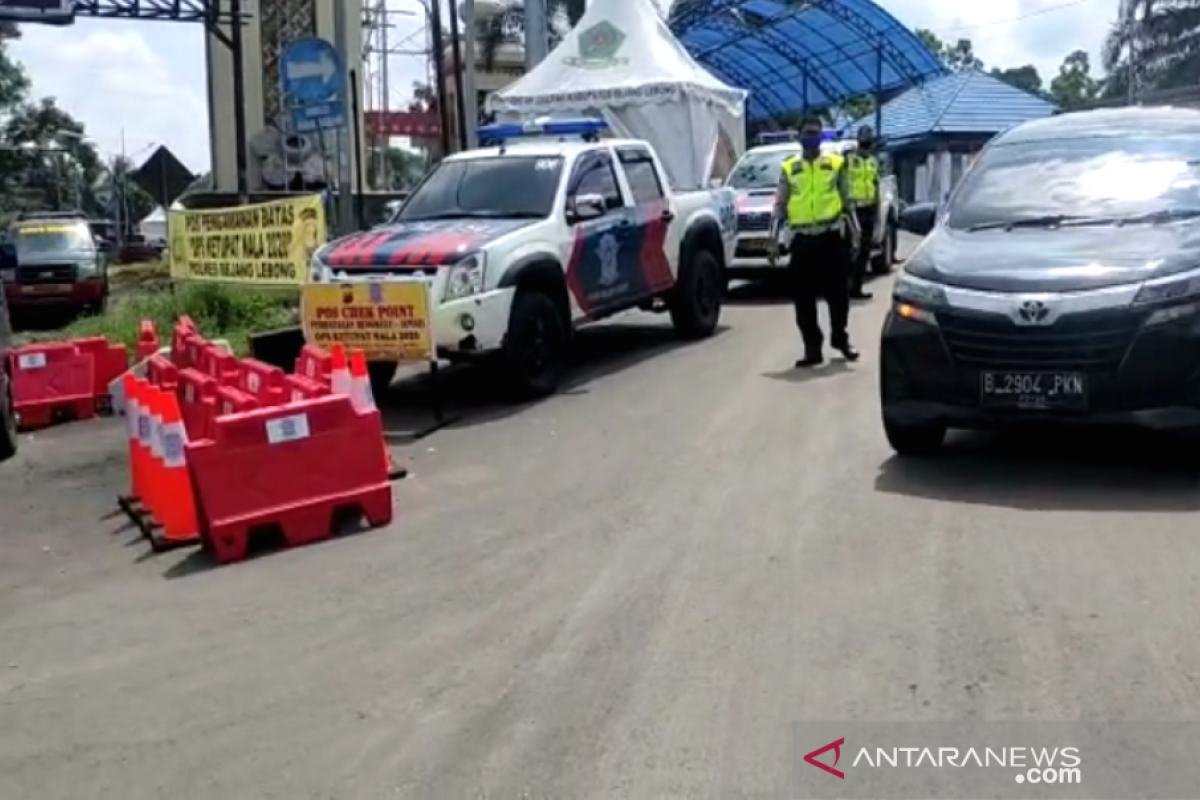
[1026, 78]
[46, 160]
[1074, 85]
[959, 56]
[1153, 46]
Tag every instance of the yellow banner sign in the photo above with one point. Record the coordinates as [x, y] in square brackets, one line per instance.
[270, 244]
[388, 320]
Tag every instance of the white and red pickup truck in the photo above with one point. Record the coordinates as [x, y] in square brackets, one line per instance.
[551, 228]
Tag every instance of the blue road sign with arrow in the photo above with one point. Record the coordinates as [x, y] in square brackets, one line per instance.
[312, 77]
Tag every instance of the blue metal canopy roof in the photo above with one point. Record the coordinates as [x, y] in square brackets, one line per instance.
[969, 102]
[797, 54]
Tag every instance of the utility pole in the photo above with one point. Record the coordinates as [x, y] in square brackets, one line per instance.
[382, 141]
[537, 33]
[344, 197]
[470, 88]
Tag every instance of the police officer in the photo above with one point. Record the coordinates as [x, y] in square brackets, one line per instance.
[813, 200]
[862, 168]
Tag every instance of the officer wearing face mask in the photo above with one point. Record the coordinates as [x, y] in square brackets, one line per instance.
[813, 202]
[862, 171]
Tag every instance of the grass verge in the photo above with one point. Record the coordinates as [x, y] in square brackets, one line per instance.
[220, 311]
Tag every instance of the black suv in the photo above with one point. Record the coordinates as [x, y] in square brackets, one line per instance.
[8, 417]
[1059, 284]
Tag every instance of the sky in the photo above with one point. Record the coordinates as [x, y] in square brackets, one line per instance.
[135, 85]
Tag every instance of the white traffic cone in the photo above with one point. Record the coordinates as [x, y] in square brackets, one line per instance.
[339, 373]
[360, 383]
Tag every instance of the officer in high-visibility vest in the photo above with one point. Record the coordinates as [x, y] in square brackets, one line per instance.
[813, 201]
[862, 169]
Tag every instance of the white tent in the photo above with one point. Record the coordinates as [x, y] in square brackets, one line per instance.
[623, 62]
[154, 226]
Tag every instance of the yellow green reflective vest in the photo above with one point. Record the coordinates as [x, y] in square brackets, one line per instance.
[864, 178]
[814, 197]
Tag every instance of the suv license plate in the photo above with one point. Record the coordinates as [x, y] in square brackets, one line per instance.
[1066, 391]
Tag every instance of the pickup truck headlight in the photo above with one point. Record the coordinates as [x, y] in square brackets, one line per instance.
[465, 278]
[87, 267]
[317, 271]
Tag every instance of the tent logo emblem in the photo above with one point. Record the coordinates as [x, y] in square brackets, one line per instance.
[598, 47]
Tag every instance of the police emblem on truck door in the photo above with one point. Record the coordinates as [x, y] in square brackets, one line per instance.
[610, 265]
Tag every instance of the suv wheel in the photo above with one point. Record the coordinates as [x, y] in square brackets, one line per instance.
[695, 302]
[914, 440]
[881, 262]
[535, 346]
[8, 424]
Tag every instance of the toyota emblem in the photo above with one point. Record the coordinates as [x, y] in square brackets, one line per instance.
[1033, 312]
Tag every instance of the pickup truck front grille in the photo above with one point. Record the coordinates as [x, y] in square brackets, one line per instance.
[387, 269]
[47, 273]
[748, 223]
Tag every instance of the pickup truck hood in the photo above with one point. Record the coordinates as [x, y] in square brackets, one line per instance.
[754, 200]
[1068, 259]
[434, 243]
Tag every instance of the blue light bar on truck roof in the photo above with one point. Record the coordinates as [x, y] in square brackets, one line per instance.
[502, 132]
[785, 137]
[777, 137]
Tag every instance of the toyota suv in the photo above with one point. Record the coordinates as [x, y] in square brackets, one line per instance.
[1058, 284]
[59, 266]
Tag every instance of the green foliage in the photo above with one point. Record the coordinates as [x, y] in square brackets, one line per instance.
[219, 311]
[1074, 86]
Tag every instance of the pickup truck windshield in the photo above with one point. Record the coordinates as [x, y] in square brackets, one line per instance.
[35, 240]
[506, 186]
[1049, 183]
[759, 170]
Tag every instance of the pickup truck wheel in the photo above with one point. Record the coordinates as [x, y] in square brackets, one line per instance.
[881, 262]
[8, 425]
[695, 303]
[381, 375]
[535, 346]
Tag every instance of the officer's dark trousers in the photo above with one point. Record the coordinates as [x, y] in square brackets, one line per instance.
[866, 224]
[819, 266]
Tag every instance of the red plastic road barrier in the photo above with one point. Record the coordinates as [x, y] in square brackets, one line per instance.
[110, 360]
[197, 402]
[261, 381]
[147, 343]
[297, 388]
[296, 467]
[52, 381]
[161, 372]
[219, 363]
[226, 401]
[313, 363]
[183, 338]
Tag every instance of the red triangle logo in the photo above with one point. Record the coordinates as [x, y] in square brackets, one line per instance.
[836, 747]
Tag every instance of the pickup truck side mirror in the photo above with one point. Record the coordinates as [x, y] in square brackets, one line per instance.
[919, 218]
[586, 206]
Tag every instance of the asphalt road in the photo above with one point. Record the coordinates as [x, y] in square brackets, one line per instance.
[631, 590]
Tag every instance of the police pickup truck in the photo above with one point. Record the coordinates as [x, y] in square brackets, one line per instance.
[755, 176]
[547, 228]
